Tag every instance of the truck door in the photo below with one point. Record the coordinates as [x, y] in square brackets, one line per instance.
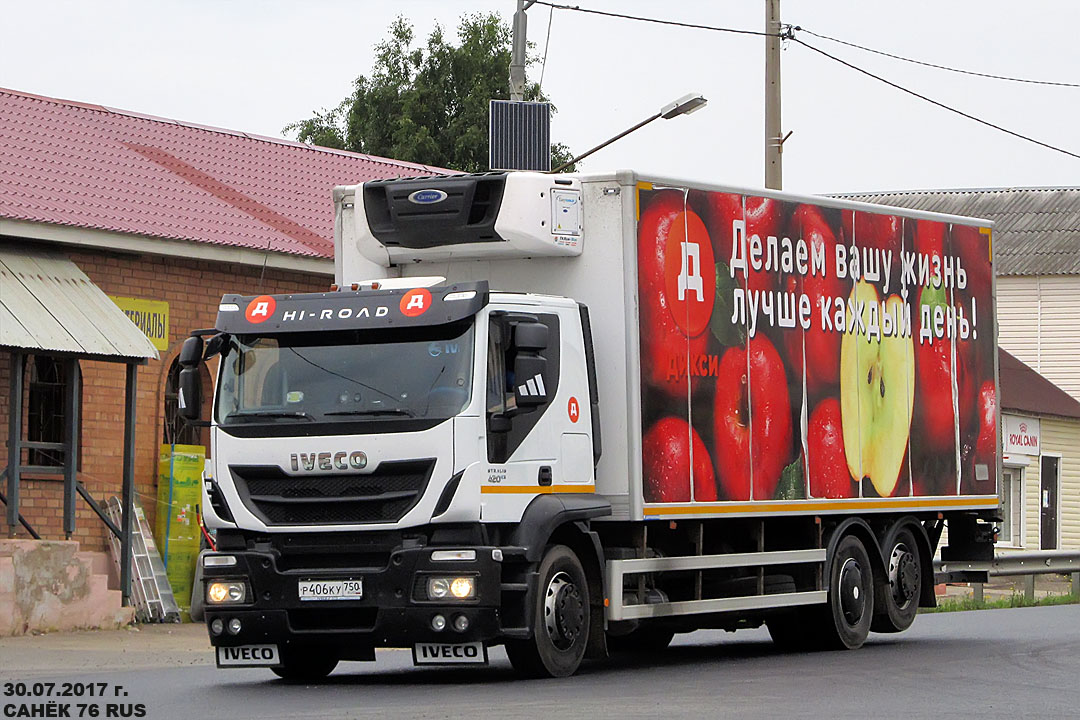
[539, 423]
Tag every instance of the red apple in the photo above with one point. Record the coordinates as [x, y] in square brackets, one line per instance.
[664, 345]
[665, 457]
[873, 230]
[752, 420]
[986, 441]
[822, 347]
[934, 416]
[826, 463]
[763, 216]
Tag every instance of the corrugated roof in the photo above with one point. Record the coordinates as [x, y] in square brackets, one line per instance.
[90, 166]
[1024, 389]
[1036, 230]
[48, 303]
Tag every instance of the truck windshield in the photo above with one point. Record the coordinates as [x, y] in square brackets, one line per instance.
[343, 376]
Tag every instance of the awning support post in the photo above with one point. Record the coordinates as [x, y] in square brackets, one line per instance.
[128, 494]
[18, 364]
[71, 443]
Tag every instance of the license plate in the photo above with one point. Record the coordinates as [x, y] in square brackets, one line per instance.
[248, 656]
[331, 589]
[449, 653]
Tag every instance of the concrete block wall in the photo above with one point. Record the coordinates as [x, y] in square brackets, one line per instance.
[49, 585]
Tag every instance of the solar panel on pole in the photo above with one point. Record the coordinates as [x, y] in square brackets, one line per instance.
[519, 136]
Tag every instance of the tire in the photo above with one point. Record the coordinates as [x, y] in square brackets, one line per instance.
[897, 601]
[560, 619]
[305, 666]
[641, 640]
[851, 596]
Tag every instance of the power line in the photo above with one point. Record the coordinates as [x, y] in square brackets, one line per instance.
[788, 34]
[935, 102]
[933, 65]
[657, 21]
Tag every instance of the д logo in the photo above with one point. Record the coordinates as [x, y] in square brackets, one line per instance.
[415, 302]
[260, 309]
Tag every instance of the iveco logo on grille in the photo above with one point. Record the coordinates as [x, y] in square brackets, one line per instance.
[308, 462]
[427, 197]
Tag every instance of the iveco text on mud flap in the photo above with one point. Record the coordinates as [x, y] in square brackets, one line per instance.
[683, 405]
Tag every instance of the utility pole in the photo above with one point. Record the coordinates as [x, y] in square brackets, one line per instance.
[774, 143]
[517, 53]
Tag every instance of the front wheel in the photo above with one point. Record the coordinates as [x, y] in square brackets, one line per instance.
[560, 619]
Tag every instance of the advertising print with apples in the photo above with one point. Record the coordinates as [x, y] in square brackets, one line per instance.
[793, 351]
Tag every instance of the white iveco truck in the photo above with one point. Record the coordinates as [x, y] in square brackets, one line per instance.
[575, 414]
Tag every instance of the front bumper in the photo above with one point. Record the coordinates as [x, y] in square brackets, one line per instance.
[392, 612]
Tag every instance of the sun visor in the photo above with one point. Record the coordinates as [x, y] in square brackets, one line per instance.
[350, 310]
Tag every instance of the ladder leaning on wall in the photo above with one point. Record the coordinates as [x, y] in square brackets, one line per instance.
[150, 589]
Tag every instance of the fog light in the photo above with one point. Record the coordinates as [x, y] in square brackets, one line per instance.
[438, 623]
[216, 626]
[226, 592]
[234, 626]
[462, 588]
[461, 623]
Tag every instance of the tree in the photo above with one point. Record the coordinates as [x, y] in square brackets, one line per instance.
[426, 105]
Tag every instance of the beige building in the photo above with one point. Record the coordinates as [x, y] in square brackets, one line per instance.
[1036, 246]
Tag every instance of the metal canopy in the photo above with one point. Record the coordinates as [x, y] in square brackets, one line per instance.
[48, 304]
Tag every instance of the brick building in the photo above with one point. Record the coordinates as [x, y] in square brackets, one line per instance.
[163, 217]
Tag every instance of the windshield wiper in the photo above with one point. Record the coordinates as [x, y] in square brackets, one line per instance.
[380, 411]
[298, 414]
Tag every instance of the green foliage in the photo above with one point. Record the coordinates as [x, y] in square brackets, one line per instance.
[1014, 600]
[426, 105]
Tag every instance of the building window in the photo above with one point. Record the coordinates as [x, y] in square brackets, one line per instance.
[1012, 507]
[46, 412]
[176, 431]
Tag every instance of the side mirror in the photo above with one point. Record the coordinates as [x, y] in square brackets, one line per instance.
[529, 388]
[499, 423]
[530, 335]
[189, 398]
[191, 352]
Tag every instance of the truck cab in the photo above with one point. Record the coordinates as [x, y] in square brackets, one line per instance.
[375, 451]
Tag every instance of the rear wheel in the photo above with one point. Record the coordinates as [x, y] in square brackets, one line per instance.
[305, 666]
[898, 602]
[560, 619]
[851, 596]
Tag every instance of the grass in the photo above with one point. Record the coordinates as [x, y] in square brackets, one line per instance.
[1013, 601]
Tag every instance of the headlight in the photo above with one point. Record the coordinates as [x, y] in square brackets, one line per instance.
[219, 593]
[453, 588]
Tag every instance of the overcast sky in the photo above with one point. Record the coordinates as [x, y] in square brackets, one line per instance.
[256, 65]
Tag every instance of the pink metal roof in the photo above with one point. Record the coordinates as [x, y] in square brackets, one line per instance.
[89, 166]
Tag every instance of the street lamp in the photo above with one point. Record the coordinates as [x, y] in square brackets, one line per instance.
[683, 106]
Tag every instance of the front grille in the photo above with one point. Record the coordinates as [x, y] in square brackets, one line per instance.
[384, 495]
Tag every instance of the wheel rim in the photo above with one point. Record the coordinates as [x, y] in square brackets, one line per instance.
[851, 591]
[903, 575]
[564, 612]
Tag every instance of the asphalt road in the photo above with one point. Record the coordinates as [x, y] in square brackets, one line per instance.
[991, 663]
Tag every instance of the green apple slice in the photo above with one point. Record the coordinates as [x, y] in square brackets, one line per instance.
[877, 390]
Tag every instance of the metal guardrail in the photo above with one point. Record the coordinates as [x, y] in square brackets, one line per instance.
[1013, 564]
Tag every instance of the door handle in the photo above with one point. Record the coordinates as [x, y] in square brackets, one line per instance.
[544, 477]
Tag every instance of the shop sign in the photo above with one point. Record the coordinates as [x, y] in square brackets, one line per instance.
[1020, 435]
[150, 316]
